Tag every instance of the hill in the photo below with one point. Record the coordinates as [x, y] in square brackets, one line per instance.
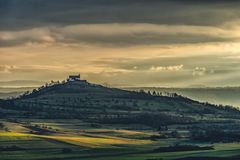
[215, 95]
[99, 104]
[80, 120]
[8, 92]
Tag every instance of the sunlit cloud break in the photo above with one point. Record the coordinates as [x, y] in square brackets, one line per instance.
[166, 68]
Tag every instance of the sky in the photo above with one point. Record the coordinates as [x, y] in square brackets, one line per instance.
[122, 43]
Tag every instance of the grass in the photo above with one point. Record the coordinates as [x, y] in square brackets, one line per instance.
[90, 143]
[80, 140]
[13, 136]
[97, 142]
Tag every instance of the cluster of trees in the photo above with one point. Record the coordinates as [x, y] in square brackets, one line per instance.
[157, 93]
[67, 150]
[179, 148]
[159, 120]
[215, 135]
[1, 125]
[11, 148]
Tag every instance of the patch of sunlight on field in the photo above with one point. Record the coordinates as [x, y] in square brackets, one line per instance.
[122, 131]
[129, 134]
[15, 136]
[97, 142]
[101, 141]
[133, 132]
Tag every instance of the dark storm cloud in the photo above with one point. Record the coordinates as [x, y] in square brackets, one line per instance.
[123, 40]
[17, 14]
[147, 39]
[118, 35]
[25, 15]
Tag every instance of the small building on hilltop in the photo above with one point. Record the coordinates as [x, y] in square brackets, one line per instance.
[76, 79]
[73, 78]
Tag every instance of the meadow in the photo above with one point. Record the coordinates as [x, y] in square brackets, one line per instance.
[29, 139]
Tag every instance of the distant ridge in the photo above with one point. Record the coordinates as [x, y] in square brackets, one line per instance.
[20, 83]
[215, 95]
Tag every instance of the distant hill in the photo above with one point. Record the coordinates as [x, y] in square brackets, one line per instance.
[9, 95]
[15, 89]
[95, 103]
[8, 92]
[20, 83]
[215, 95]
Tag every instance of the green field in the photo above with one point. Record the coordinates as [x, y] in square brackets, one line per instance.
[75, 139]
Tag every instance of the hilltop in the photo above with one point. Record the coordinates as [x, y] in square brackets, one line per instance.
[79, 99]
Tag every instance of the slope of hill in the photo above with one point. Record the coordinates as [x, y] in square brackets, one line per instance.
[8, 92]
[95, 103]
[215, 95]
[80, 120]
[9, 95]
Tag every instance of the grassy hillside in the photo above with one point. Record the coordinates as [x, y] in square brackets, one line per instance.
[215, 95]
[95, 103]
[80, 120]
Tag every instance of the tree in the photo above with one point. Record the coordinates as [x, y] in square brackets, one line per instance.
[154, 93]
[6, 129]
[1, 125]
[66, 150]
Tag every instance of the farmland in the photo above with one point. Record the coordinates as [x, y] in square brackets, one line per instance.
[74, 139]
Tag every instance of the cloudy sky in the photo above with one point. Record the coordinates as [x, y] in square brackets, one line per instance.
[170, 43]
